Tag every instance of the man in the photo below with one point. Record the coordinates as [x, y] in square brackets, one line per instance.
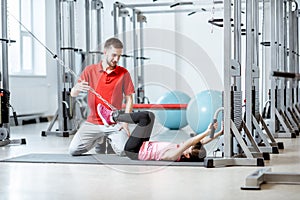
[112, 83]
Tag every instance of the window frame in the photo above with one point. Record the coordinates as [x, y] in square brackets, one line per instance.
[31, 69]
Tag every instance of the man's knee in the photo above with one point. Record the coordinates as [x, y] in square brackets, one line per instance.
[73, 151]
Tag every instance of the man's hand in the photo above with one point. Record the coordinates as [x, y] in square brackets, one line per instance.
[82, 86]
[79, 87]
[124, 126]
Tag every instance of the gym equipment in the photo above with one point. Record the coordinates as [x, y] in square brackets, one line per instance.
[173, 119]
[215, 119]
[4, 84]
[254, 122]
[286, 75]
[264, 176]
[66, 113]
[3, 134]
[93, 20]
[201, 109]
[233, 120]
[5, 120]
[66, 50]
[284, 86]
[65, 43]
[284, 59]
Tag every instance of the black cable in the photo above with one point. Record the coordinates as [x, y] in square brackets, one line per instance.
[53, 54]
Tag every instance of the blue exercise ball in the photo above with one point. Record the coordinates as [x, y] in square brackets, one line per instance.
[201, 110]
[173, 119]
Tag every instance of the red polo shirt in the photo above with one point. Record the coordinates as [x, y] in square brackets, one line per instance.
[112, 87]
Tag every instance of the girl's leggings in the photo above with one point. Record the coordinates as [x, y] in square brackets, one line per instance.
[142, 132]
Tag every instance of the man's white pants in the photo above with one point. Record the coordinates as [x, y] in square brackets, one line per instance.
[88, 135]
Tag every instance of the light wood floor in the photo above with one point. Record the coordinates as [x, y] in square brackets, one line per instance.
[85, 182]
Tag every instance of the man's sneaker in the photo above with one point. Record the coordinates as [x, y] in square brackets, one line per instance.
[105, 115]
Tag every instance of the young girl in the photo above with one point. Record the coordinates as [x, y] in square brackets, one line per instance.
[138, 146]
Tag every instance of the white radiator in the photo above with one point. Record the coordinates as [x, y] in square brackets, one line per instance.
[29, 100]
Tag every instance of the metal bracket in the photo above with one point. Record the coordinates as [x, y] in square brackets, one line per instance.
[263, 176]
[255, 71]
[235, 68]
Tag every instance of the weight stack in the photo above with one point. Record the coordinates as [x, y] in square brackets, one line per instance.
[255, 104]
[236, 109]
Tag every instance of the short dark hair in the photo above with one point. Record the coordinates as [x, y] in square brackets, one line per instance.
[114, 42]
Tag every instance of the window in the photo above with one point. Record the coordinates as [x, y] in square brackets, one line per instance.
[26, 56]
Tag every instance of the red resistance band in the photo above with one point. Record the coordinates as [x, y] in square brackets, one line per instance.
[159, 106]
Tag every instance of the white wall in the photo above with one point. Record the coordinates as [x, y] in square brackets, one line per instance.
[204, 51]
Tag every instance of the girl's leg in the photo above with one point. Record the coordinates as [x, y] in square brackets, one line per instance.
[141, 133]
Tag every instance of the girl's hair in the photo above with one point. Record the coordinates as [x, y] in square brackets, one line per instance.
[198, 153]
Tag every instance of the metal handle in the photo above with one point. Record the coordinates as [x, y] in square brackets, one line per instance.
[212, 129]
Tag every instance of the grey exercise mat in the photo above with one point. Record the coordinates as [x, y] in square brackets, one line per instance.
[92, 159]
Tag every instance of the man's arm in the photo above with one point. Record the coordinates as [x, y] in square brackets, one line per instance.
[129, 103]
[128, 109]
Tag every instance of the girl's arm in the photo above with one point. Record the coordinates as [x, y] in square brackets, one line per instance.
[207, 140]
[173, 154]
